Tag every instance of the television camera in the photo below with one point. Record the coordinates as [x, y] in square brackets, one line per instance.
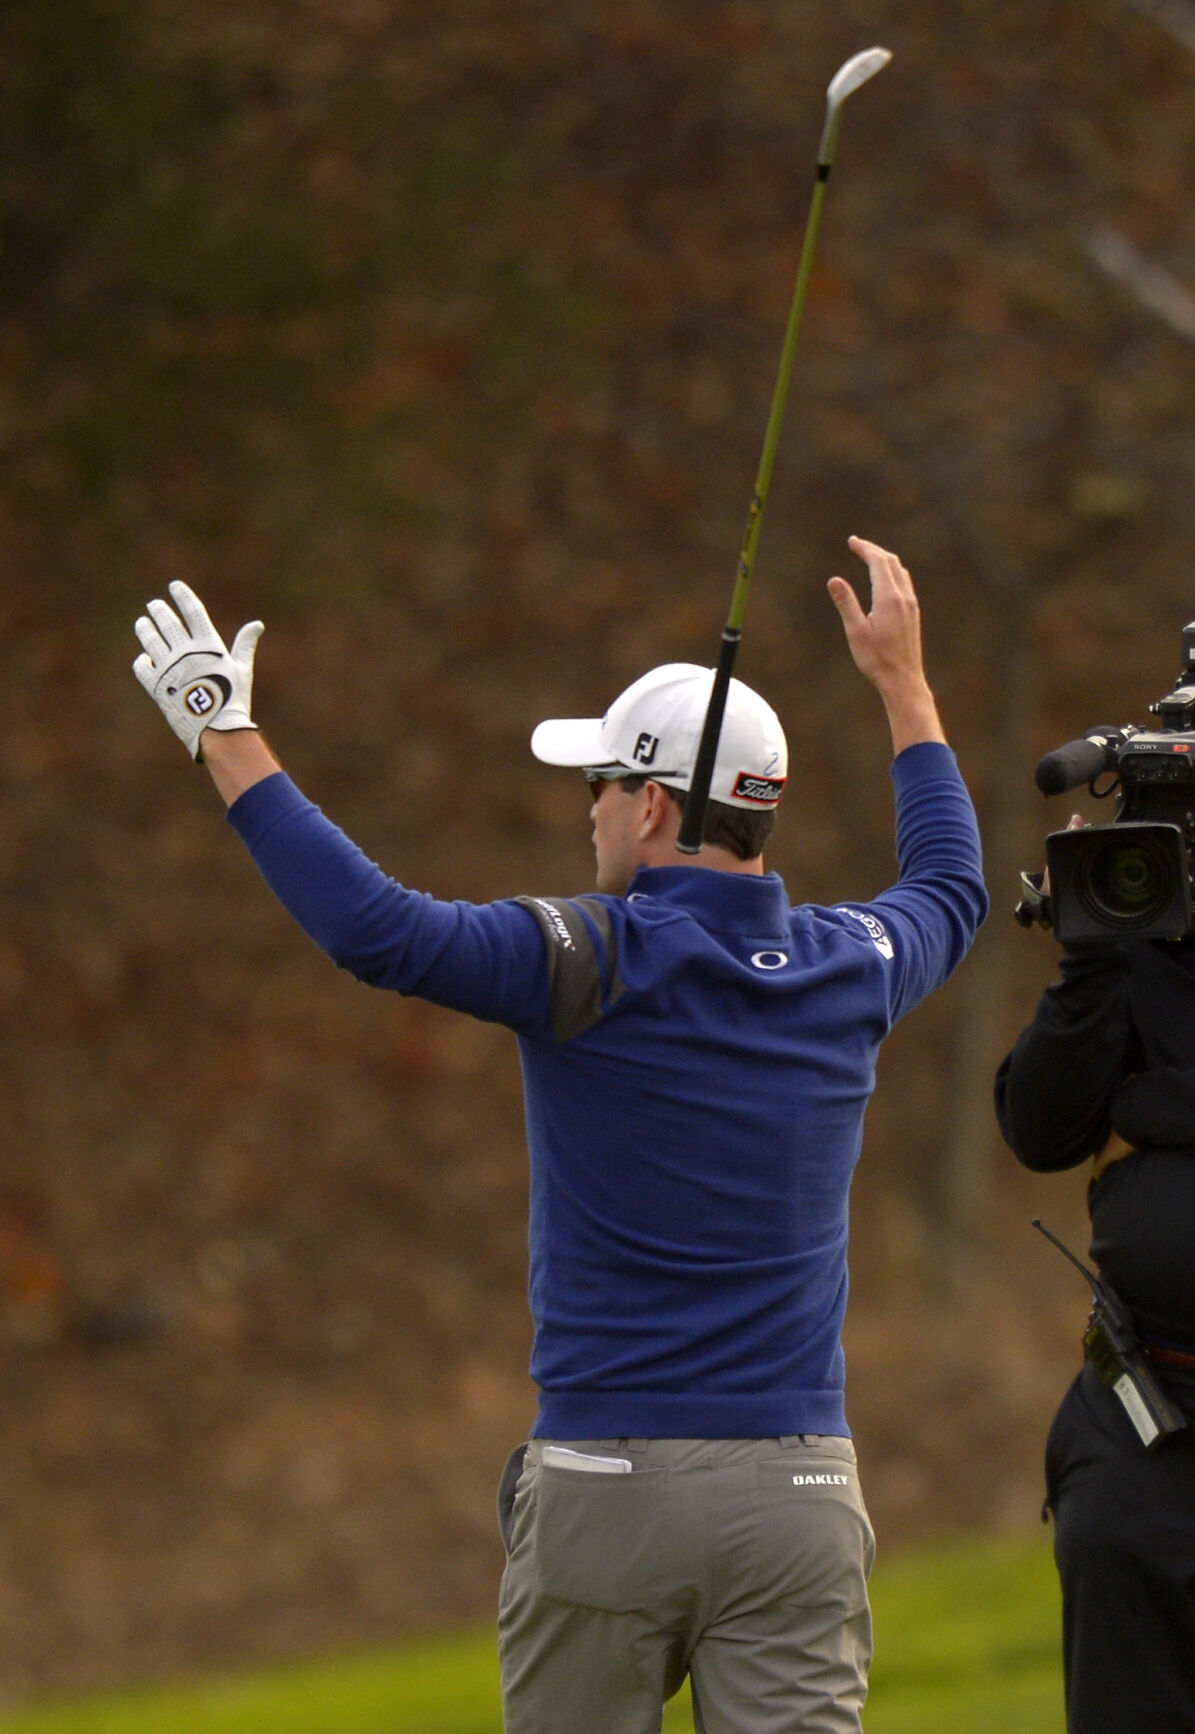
[1130, 877]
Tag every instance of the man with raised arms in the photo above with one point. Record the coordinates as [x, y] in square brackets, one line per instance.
[697, 1056]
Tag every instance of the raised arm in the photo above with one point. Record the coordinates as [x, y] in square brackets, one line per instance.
[488, 960]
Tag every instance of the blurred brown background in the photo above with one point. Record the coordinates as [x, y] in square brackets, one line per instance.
[442, 338]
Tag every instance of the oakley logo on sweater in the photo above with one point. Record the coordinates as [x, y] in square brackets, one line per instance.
[821, 1480]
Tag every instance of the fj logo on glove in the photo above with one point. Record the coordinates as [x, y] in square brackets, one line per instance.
[200, 700]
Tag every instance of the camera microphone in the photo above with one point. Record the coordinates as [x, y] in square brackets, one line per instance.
[1079, 762]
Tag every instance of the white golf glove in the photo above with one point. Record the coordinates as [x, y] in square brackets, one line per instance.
[187, 670]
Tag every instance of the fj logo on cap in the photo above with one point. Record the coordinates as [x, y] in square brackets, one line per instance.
[646, 748]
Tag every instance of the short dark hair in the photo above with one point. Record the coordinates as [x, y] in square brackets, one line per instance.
[742, 830]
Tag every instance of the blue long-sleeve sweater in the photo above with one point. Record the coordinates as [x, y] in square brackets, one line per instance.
[697, 1057]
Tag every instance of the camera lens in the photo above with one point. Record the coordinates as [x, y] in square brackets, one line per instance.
[1125, 884]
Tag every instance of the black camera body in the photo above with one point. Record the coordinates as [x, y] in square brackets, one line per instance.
[1130, 878]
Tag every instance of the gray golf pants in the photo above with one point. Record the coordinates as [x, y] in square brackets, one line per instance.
[742, 1563]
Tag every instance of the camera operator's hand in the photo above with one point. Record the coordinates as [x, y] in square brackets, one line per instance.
[1115, 1150]
[1076, 823]
[886, 644]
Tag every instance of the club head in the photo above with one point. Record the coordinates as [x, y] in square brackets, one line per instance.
[854, 72]
[850, 75]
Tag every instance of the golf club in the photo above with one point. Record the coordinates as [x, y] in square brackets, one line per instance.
[849, 77]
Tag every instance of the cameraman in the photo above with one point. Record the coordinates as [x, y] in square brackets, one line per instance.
[1106, 1072]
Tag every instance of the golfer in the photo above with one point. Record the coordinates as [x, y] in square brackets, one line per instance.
[697, 1057]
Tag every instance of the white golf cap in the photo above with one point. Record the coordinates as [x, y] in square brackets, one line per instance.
[655, 725]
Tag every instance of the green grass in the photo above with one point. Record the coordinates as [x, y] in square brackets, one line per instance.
[966, 1637]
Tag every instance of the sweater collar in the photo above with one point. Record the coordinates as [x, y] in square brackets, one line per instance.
[723, 902]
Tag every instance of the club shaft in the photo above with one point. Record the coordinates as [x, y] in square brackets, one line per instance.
[771, 442]
[692, 829]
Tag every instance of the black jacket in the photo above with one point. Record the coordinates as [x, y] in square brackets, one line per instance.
[1112, 1048]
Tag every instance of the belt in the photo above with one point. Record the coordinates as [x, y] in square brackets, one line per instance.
[1168, 1357]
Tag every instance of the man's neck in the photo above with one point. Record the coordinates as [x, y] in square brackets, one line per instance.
[664, 853]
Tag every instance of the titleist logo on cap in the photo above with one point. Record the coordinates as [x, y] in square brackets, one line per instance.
[751, 788]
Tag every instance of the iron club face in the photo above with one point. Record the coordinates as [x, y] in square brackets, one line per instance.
[854, 72]
[850, 75]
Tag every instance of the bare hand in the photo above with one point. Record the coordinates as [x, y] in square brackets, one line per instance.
[886, 642]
